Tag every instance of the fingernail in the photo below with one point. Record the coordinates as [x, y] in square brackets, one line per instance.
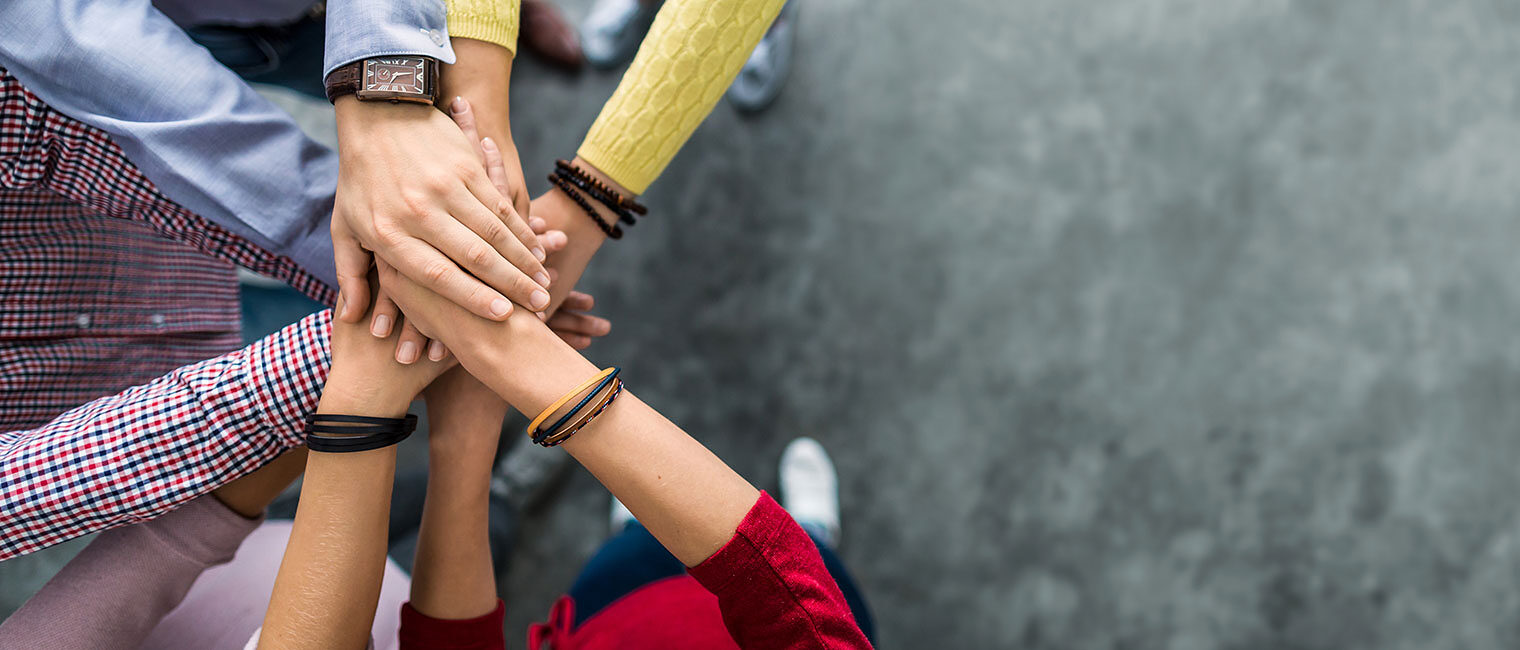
[537, 223]
[407, 353]
[538, 252]
[541, 278]
[538, 300]
[487, 143]
[381, 328]
[457, 105]
[500, 307]
[543, 316]
[436, 351]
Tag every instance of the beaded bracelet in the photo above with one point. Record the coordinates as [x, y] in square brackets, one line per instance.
[614, 199]
[597, 192]
[334, 433]
[554, 439]
[612, 231]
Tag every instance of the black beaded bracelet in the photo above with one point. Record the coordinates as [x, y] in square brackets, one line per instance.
[612, 230]
[333, 433]
[614, 199]
[596, 191]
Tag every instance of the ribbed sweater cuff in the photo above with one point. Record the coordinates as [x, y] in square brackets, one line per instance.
[501, 30]
[625, 169]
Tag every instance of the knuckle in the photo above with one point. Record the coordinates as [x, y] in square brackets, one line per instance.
[479, 254]
[436, 271]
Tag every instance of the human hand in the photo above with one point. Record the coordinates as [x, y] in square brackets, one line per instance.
[364, 372]
[412, 190]
[412, 343]
[575, 326]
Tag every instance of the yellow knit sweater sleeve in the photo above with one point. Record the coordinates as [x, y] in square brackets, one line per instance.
[692, 53]
[492, 21]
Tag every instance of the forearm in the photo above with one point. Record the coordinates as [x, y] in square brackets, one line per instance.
[585, 236]
[689, 499]
[151, 448]
[142, 571]
[645, 123]
[329, 582]
[452, 576]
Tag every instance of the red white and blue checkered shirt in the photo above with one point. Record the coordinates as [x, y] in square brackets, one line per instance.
[106, 284]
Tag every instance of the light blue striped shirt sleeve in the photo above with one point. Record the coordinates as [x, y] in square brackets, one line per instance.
[200, 133]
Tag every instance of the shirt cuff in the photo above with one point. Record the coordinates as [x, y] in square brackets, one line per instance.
[361, 29]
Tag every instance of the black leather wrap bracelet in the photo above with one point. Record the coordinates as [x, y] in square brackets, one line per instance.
[331, 433]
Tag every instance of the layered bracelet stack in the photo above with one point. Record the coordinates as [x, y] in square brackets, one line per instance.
[599, 391]
[579, 185]
[344, 433]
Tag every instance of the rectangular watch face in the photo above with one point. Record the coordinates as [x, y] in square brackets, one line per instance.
[403, 75]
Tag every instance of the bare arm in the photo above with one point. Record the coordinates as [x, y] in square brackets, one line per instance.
[689, 499]
[329, 582]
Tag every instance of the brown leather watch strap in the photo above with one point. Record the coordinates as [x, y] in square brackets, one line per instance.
[344, 80]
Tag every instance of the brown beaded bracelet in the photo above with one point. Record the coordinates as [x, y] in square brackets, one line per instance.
[614, 199]
[612, 231]
[597, 193]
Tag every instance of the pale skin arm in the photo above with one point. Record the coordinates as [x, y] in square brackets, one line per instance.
[689, 499]
[329, 582]
[452, 576]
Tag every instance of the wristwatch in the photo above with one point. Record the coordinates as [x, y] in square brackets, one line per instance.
[386, 78]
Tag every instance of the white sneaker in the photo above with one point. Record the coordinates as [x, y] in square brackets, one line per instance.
[612, 33]
[766, 70]
[620, 516]
[810, 488]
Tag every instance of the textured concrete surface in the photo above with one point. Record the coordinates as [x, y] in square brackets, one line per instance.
[1178, 324]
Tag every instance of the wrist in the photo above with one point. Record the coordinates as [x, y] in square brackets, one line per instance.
[353, 393]
[355, 118]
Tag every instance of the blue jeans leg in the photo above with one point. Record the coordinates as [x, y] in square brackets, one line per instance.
[634, 558]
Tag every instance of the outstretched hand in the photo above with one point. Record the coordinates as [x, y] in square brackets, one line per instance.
[412, 191]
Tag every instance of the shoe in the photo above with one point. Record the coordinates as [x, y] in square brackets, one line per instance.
[546, 33]
[765, 73]
[525, 475]
[612, 33]
[810, 488]
[620, 516]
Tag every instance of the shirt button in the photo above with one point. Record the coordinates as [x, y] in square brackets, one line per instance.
[437, 37]
[158, 319]
[83, 320]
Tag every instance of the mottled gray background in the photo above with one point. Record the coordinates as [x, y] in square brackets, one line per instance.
[1178, 324]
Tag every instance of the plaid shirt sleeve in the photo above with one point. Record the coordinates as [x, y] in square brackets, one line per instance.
[136, 455]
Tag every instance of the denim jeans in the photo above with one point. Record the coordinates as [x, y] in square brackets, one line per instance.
[280, 55]
[634, 558]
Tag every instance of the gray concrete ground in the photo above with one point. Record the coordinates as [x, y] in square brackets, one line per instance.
[1176, 324]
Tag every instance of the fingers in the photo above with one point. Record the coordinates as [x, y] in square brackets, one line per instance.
[577, 301]
[409, 347]
[464, 116]
[353, 264]
[386, 314]
[496, 173]
[492, 254]
[568, 322]
[423, 265]
[496, 168]
[554, 241]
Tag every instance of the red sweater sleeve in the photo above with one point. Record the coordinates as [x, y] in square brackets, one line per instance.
[773, 588]
[422, 632]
